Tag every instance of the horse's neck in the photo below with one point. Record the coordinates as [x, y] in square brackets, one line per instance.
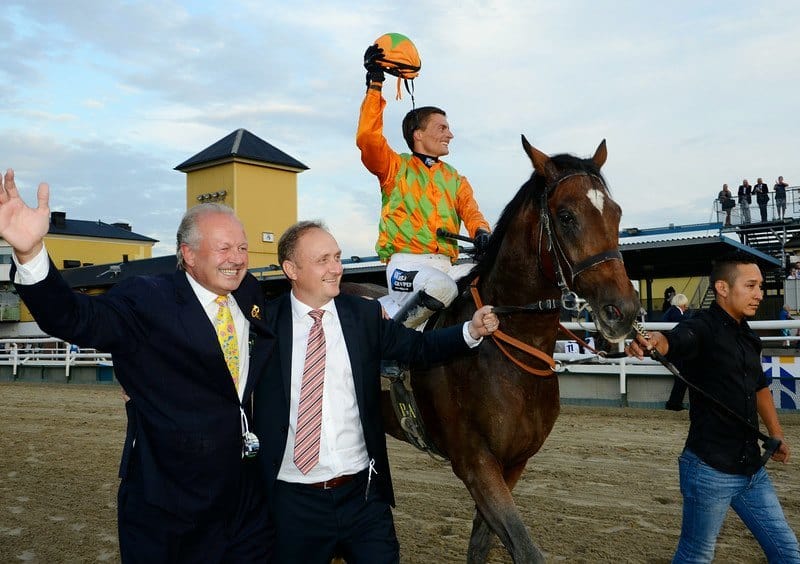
[522, 272]
[520, 279]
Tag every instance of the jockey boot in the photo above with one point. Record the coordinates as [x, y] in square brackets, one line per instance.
[414, 313]
[417, 309]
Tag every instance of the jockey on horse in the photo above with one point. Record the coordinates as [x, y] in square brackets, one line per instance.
[419, 193]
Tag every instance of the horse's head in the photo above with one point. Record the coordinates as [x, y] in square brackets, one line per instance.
[581, 221]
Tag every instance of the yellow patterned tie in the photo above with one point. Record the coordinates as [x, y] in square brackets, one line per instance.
[226, 333]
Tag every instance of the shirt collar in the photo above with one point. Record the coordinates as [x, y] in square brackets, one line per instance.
[205, 296]
[300, 310]
[427, 160]
[726, 317]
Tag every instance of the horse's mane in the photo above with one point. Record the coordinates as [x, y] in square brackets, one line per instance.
[527, 195]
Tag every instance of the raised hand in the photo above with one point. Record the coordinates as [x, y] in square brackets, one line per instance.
[21, 226]
[374, 70]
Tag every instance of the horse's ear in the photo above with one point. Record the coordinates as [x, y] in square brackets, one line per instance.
[600, 155]
[541, 162]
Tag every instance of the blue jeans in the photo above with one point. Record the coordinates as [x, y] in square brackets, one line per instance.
[707, 494]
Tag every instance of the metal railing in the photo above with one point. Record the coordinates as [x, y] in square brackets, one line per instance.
[48, 351]
[792, 207]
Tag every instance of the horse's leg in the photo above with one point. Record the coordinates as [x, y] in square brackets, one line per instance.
[496, 511]
[481, 540]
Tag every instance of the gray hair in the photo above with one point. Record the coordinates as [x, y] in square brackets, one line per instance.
[288, 241]
[679, 300]
[188, 230]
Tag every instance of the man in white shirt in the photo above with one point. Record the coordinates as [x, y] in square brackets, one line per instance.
[325, 461]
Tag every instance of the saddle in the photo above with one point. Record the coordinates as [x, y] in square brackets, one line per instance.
[398, 377]
[405, 407]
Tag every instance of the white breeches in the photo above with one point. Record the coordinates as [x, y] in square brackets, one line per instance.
[407, 274]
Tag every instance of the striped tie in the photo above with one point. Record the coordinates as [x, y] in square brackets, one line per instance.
[309, 412]
[226, 333]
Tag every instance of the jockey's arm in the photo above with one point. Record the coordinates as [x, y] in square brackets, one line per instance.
[467, 208]
[376, 154]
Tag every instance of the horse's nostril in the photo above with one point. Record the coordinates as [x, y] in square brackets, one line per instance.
[612, 313]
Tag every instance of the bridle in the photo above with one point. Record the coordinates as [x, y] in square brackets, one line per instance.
[569, 299]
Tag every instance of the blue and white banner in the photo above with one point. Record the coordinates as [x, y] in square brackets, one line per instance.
[783, 373]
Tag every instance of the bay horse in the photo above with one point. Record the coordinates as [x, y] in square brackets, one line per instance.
[488, 413]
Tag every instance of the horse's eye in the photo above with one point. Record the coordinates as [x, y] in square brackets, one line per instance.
[566, 218]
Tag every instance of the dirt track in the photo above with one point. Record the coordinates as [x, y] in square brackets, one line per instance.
[603, 489]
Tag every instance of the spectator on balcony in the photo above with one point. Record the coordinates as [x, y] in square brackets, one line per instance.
[761, 190]
[780, 197]
[745, 190]
[727, 203]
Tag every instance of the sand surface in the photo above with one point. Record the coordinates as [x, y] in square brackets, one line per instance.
[604, 488]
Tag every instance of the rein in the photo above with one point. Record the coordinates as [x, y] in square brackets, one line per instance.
[500, 335]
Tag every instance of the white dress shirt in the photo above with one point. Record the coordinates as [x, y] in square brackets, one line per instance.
[240, 323]
[36, 270]
[342, 447]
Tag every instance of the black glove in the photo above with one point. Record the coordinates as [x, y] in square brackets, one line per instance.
[374, 70]
[481, 242]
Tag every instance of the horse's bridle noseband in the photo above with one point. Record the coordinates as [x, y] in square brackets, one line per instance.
[568, 297]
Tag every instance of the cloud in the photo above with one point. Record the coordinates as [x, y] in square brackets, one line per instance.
[687, 95]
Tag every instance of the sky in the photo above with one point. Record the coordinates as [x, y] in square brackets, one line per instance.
[102, 99]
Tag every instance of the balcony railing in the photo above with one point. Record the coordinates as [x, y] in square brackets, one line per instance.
[737, 212]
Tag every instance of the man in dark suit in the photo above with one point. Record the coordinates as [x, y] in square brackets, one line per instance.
[675, 314]
[188, 492]
[327, 475]
[744, 195]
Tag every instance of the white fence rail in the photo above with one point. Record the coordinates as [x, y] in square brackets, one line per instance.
[51, 352]
[48, 351]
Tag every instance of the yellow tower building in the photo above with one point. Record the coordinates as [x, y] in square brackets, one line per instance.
[254, 178]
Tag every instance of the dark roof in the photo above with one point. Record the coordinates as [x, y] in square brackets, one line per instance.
[357, 269]
[104, 275]
[59, 225]
[681, 251]
[243, 144]
[670, 252]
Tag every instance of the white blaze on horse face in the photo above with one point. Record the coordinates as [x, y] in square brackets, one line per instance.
[597, 198]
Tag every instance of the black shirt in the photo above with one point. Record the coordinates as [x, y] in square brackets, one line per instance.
[723, 357]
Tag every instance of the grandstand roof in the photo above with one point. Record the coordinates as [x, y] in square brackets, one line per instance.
[667, 252]
[679, 251]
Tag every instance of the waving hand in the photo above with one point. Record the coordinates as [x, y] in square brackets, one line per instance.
[22, 226]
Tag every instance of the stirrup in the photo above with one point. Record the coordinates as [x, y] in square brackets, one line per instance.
[407, 413]
[393, 371]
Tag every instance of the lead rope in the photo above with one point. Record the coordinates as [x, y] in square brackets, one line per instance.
[771, 444]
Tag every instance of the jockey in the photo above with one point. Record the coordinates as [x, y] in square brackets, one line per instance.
[419, 194]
